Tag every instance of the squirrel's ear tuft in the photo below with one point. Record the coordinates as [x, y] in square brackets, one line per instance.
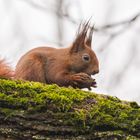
[79, 42]
[89, 37]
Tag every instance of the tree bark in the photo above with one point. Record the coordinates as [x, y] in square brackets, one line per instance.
[30, 110]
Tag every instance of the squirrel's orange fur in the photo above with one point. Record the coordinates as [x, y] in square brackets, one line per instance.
[71, 66]
[5, 70]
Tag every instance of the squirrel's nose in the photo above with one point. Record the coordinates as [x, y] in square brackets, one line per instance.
[95, 72]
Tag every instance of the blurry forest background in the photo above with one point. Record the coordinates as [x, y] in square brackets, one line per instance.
[25, 24]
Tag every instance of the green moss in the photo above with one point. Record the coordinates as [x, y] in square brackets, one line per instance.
[31, 93]
[85, 110]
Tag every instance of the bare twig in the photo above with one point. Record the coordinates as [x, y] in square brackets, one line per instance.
[111, 38]
[71, 19]
[125, 22]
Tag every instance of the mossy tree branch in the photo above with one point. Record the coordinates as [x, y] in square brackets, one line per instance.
[30, 110]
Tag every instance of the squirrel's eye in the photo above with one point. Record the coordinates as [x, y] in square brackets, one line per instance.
[86, 57]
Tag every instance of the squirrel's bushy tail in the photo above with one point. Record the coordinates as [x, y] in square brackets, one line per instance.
[5, 70]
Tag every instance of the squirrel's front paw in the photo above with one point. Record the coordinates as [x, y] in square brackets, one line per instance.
[83, 80]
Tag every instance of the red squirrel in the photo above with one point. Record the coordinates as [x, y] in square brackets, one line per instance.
[71, 66]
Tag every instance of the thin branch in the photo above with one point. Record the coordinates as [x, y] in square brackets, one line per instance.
[111, 38]
[125, 22]
[108, 26]
[98, 29]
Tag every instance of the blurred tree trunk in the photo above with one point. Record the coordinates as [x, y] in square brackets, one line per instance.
[59, 15]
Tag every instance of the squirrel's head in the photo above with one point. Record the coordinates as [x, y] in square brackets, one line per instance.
[82, 57]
